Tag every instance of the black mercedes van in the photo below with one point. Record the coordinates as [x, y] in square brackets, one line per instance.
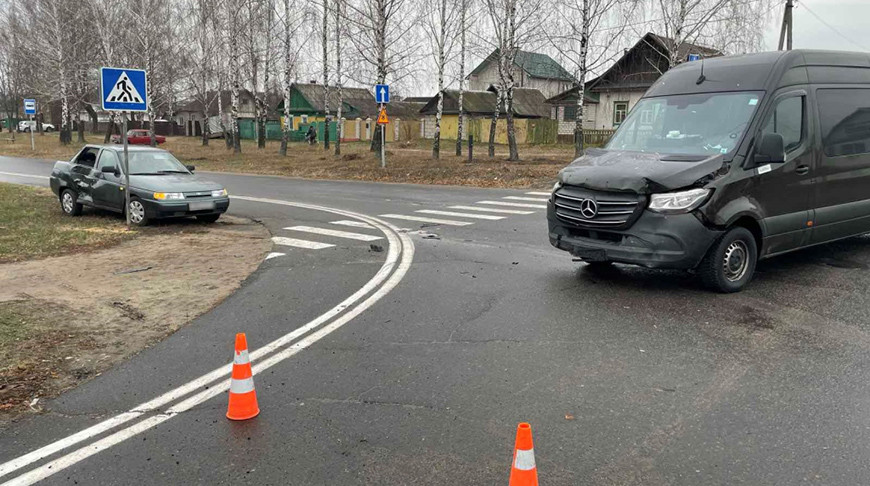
[725, 161]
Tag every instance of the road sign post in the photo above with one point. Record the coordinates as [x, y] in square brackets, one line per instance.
[30, 109]
[124, 90]
[382, 97]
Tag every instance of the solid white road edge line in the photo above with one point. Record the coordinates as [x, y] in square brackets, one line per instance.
[395, 238]
[15, 174]
[535, 193]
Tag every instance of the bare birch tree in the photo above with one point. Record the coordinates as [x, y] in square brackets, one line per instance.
[463, 28]
[584, 34]
[290, 22]
[337, 6]
[440, 25]
[233, 12]
[324, 40]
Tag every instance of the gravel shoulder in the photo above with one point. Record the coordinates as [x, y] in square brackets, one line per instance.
[68, 318]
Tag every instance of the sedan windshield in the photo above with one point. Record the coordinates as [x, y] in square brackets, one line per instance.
[155, 163]
[697, 124]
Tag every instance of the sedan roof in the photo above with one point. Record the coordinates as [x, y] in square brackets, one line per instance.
[131, 148]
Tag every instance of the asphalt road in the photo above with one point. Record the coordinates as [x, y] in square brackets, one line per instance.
[628, 376]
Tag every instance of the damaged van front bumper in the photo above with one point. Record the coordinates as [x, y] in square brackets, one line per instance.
[655, 240]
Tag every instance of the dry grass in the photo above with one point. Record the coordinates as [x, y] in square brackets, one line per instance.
[406, 162]
[32, 225]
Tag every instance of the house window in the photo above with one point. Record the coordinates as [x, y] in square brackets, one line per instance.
[620, 109]
[570, 113]
[646, 117]
[304, 119]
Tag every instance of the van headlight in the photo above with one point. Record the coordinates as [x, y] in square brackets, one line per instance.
[678, 202]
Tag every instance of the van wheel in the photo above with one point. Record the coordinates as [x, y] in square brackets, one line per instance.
[730, 262]
[69, 202]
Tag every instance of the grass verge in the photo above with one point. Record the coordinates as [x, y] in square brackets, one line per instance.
[32, 225]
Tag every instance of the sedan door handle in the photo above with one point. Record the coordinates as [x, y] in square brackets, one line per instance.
[802, 169]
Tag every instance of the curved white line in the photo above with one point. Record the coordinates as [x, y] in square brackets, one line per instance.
[397, 241]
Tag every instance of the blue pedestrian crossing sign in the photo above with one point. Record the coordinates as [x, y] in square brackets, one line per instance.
[382, 93]
[29, 107]
[123, 89]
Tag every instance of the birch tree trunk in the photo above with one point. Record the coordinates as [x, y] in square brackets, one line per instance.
[324, 40]
[509, 72]
[267, 67]
[463, 6]
[340, 127]
[234, 66]
[580, 83]
[288, 71]
[436, 142]
[494, 124]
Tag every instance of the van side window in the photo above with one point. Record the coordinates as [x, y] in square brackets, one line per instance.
[845, 118]
[787, 120]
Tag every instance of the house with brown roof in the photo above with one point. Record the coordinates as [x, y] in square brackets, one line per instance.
[610, 97]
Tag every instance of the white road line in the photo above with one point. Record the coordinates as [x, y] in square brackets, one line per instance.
[492, 210]
[515, 205]
[355, 224]
[533, 193]
[15, 174]
[461, 215]
[274, 254]
[521, 198]
[311, 245]
[391, 265]
[336, 233]
[426, 220]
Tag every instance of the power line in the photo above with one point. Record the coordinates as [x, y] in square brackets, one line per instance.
[847, 39]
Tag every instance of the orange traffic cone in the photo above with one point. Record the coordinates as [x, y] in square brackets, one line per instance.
[523, 470]
[243, 398]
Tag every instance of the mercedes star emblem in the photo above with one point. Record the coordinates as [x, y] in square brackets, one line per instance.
[588, 208]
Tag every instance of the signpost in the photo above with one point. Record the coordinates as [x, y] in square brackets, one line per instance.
[124, 90]
[30, 109]
[382, 97]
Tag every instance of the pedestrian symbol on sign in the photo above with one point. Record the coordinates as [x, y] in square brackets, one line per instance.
[123, 91]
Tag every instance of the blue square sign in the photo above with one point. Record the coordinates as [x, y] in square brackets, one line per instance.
[382, 93]
[123, 89]
[29, 107]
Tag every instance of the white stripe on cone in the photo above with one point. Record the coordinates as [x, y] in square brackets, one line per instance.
[241, 357]
[525, 460]
[244, 386]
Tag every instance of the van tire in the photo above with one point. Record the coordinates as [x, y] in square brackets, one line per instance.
[730, 262]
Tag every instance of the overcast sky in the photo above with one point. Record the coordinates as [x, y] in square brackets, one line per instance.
[849, 17]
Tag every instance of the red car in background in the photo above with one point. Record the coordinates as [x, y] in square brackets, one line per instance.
[138, 137]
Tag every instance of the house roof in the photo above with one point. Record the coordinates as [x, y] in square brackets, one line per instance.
[528, 103]
[642, 64]
[535, 64]
[570, 96]
[359, 98]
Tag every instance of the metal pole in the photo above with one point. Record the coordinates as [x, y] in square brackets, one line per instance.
[126, 169]
[32, 129]
[383, 143]
[470, 148]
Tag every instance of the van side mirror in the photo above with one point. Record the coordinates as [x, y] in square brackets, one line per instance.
[770, 149]
[190, 167]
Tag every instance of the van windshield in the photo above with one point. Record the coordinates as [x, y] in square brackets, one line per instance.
[697, 124]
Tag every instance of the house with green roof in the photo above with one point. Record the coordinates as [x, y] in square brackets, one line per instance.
[531, 70]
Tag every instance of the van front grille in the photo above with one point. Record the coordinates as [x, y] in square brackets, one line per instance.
[597, 209]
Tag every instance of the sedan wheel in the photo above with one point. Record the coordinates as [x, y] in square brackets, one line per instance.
[69, 203]
[137, 213]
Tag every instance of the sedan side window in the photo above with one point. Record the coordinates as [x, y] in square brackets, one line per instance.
[787, 120]
[108, 159]
[88, 157]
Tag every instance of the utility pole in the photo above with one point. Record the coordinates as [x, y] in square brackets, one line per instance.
[785, 33]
